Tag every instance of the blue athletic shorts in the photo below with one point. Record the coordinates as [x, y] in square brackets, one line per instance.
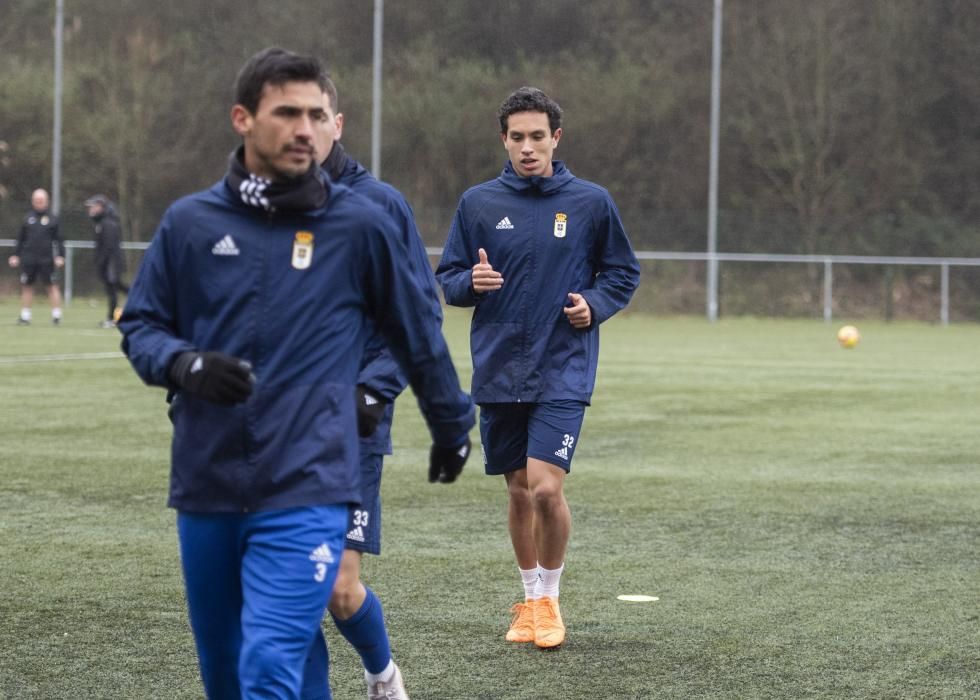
[512, 432]
[364, 520]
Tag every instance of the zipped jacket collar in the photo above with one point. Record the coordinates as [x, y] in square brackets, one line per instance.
[560, 177]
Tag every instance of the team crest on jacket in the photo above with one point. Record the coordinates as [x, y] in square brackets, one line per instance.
[302, 250]
[44, 221]
[561, 221]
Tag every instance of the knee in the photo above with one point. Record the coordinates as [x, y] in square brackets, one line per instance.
[547, 497]
[519, 495]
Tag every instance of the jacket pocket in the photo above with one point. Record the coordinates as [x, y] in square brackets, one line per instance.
[498, 351]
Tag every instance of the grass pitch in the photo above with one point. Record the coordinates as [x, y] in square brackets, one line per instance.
[806, 515]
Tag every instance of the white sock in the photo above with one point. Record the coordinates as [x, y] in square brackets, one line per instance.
[530, 579]
[384, 676]
[56, 313]
[25, 314]
[548, 585]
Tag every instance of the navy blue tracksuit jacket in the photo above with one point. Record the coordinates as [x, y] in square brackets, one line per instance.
[547, 236]
[379, 371]
[220, 275]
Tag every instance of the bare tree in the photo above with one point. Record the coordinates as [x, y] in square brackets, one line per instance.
[795, 81]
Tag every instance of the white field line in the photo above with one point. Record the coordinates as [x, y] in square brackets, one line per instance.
[26, 359]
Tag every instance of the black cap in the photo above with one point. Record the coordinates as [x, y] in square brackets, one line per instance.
[97, 199]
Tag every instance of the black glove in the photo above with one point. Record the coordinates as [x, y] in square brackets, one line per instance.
[213, 376]
[445, 463]
[370, 411]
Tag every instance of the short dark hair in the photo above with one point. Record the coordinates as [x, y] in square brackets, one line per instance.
[529, 99]
[275, 66]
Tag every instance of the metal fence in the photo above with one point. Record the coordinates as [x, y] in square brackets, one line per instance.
[827, 261]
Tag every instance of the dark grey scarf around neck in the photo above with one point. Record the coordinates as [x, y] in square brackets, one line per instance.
[306, 192]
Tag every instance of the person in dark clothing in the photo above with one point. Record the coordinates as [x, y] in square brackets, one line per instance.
[109, 261]
[39, 254]
[354, 607]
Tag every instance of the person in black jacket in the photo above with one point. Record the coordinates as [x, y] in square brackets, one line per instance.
[39, 254]
[109, 261]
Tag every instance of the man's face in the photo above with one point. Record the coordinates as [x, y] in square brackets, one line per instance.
[328, 130]
[530, 143]
[279, 137]
[39, 200]
[95, 209]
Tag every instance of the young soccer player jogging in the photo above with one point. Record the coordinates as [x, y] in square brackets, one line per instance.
[252, 304]
[543, 257]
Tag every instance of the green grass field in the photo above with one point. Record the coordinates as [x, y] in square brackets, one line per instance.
[806, 515]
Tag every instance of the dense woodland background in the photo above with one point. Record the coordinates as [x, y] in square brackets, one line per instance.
[847, 127]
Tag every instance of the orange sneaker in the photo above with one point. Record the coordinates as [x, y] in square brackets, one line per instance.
[522, 624]
[549, 630]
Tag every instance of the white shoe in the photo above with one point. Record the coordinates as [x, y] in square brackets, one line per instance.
[394, 689]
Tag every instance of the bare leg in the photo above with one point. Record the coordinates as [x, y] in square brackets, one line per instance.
[348, 593]
[54, 296]
[520, 519]
[552, 523]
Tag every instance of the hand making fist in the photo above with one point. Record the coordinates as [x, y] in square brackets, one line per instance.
[579, 314]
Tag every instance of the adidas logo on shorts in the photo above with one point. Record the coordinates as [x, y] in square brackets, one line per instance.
[322, 554]
[563, 453]
[356, 535]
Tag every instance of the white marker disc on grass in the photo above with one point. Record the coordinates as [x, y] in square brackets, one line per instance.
[637, 598]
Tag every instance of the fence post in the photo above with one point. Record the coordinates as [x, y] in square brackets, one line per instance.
[944, 293]
[69, 258]
[828, 290]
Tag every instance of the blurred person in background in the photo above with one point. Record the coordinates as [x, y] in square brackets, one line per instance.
[355, 608]
[109, 260]
[39, 255]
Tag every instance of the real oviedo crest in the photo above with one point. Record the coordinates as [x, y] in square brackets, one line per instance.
[561, 223]
[302, 250]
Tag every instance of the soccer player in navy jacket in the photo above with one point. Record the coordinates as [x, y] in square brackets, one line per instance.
[543, 257]
[253, 304]
[355, 608]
